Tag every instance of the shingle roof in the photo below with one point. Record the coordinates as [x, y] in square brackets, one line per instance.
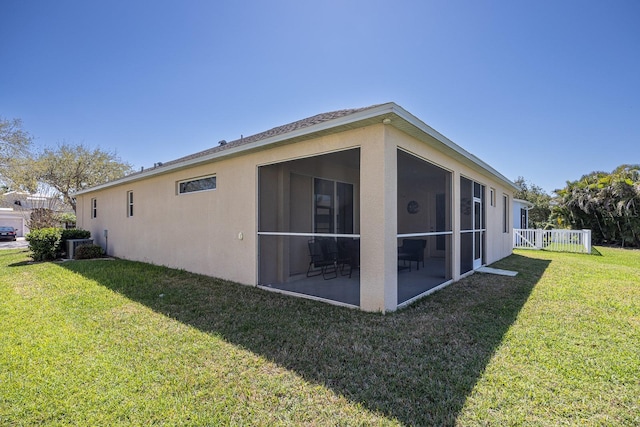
[319, 124]
[280, 130]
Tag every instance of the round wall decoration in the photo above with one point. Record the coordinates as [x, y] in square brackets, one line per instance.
[413, 207]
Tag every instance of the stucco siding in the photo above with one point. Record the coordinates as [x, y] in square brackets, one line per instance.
[215, 232]
[200, 231]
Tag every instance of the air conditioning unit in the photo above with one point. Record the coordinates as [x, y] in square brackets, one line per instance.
[72, 245]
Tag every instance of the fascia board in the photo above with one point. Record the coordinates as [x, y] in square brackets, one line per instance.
[330, 124]
[384, 110]
[527, 204]
[451, 146]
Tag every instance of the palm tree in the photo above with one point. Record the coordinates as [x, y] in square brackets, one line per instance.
[607, 203]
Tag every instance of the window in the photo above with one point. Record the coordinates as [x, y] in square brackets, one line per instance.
[199, 184]
[333, 207]
[505, 214]
[492, 197]
[94, 208]
[129, 203]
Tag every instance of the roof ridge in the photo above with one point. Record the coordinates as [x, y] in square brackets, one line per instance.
[278, 130]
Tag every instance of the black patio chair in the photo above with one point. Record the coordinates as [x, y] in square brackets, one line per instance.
[412, 250]
[348, 255]
[323, 254]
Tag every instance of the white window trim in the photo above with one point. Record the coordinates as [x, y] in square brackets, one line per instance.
[179, 193]
[94, 208]
[129, 204]
[505, 213]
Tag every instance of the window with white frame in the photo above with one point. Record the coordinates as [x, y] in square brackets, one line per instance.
[197, 184]
[129, 203]
[492, 197]
[505, 213]
[94, 208]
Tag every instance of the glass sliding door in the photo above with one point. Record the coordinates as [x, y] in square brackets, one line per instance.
[344, 213]
[324, 195]
[333, 207]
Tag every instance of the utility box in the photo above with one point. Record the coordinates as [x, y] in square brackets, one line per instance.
[72, 245]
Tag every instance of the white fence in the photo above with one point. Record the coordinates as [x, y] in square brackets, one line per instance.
[553, 240]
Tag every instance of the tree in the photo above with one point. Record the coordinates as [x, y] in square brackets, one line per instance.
[606, 203]
[70, 168]
[42, 218]
[66, 169]
[539, 214]
[14, 143]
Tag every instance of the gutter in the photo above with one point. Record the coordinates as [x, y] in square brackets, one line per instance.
[388, 110]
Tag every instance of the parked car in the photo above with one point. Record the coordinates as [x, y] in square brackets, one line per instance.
[8, 233]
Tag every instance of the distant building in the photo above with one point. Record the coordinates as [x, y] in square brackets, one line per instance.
[521, 213]
[16, 208]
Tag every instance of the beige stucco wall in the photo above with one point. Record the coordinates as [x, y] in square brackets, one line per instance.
[200, 232]
[378, 229]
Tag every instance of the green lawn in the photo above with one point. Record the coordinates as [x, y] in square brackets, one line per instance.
[124, 343]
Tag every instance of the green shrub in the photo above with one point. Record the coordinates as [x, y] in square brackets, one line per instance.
[88, 251]
[73, 233]
[66, 218]
[45, 243]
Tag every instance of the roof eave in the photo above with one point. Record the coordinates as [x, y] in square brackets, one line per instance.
[232, 151]
[454, 149]
[383, 111]
[527, 204]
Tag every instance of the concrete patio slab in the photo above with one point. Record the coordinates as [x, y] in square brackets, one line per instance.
[497, 271]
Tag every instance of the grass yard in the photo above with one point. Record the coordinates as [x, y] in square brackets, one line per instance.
[125, 343]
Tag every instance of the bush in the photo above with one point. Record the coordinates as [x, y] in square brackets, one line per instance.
[66, 218]
[51, 243]
[73, 233]
[45, 243]
[88, 252]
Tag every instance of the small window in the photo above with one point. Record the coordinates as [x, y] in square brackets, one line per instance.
[94, 208]
[492, 197]
[477, 190]
[505, 214]
[199, 184]
[130, 203]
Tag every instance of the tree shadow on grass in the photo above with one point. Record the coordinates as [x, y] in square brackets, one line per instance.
[417, 365]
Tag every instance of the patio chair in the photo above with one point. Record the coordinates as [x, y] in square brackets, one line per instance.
[323, 254]
[348, 255]
[412, 250]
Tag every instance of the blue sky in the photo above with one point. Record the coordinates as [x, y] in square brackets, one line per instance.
[548, 90]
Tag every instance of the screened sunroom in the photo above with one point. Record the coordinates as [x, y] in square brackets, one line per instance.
[424, 226]
[309, 227]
